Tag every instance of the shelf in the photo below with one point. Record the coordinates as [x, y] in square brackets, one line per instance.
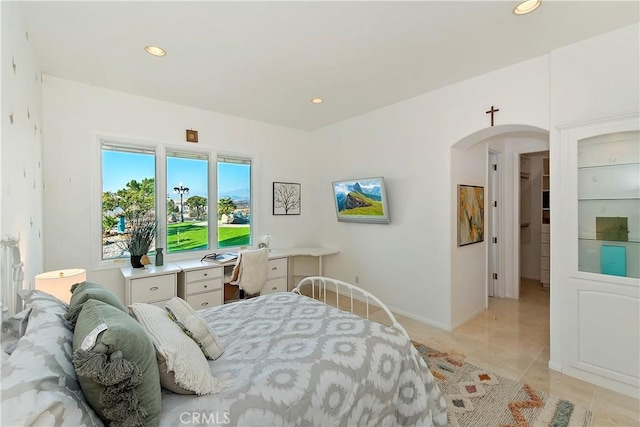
[607, 165]
[592, 199]
[608, 242]
[609, 181]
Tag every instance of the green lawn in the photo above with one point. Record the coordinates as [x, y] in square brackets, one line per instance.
[233, 236]
[183, 236]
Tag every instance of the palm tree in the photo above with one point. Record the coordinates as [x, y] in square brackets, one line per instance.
[226, 206]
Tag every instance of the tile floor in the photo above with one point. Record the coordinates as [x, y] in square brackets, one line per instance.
[512, 339]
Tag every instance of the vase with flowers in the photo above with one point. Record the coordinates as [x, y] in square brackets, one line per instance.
[140, 237]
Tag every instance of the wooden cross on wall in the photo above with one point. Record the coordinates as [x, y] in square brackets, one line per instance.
[491, 111]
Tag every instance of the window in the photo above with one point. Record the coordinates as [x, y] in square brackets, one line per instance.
[128, 191]
[172, 187]
[234, 201]
[187, 201]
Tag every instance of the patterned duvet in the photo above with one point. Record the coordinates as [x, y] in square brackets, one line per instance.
[296, 361]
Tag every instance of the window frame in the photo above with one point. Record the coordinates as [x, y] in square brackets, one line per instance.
[161, 149]
[211, 183]
[253, 194]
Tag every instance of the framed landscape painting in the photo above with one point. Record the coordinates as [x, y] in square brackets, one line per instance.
[470, 214]
[361, 200]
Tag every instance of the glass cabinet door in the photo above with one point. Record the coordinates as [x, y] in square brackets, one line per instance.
[609, 204]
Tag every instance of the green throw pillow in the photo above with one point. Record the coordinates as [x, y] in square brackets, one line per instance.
[116, 365]
[82, 292]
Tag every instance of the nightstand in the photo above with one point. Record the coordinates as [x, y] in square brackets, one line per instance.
[152, 285]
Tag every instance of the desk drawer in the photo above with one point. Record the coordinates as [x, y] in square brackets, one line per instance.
[204, 286]
[152, 289]
[204, 274]
[276, 268]
[205, 300]
[274, 285]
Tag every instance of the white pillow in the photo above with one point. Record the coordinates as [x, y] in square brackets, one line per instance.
[179, 353]
[185, 316]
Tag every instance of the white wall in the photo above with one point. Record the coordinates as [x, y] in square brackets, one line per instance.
[593, 79]
[21, 143]
[408, 263]
[75, 111]
[469, 263]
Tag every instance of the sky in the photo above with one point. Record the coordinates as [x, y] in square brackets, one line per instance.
[121, 167]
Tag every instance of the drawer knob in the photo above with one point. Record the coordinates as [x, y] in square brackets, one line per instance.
[206, 274]
[204, 304]
[155, 288]
[274, 288]
[274, 268]
[206, 286]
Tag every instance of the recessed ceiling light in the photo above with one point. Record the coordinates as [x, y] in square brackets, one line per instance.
[155, 50]
[526, 6]
[317, 101]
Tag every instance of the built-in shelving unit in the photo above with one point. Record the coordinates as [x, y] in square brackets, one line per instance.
[546, 207]
[545, 229]
[609, 204]
[596, 232]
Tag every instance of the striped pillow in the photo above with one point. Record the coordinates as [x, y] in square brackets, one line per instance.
[195, 327]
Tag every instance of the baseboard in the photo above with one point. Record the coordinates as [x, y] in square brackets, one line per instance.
[466, 319]
[555, 366]
[600, 381]
[422, 319]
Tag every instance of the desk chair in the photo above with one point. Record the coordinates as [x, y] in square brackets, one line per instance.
[250, 272]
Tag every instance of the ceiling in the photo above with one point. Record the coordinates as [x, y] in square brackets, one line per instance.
[265, 60]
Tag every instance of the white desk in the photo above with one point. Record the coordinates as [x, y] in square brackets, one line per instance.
[298, 265]
[201, 282]
[303, 251]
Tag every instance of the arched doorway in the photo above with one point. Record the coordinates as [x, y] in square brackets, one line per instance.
[471, 165]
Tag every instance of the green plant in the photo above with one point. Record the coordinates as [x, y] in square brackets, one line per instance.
[142, 232]
[108, 222]
[226, 206]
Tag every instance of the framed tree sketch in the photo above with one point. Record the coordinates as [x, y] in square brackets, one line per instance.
[286, 198]
[470, 214]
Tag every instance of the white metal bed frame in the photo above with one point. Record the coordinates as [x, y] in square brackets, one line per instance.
[322, 284]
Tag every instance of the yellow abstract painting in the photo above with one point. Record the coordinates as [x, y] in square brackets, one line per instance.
[470, 214]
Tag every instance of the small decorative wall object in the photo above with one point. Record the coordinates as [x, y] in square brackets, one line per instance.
[470, 214]
[192, 135]
[286, 198]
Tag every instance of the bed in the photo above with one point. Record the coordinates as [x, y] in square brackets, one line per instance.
[289, 360]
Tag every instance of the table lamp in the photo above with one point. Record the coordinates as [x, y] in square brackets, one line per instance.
[58, 283]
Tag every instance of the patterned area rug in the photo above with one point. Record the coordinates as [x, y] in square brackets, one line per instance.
[477, 397]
